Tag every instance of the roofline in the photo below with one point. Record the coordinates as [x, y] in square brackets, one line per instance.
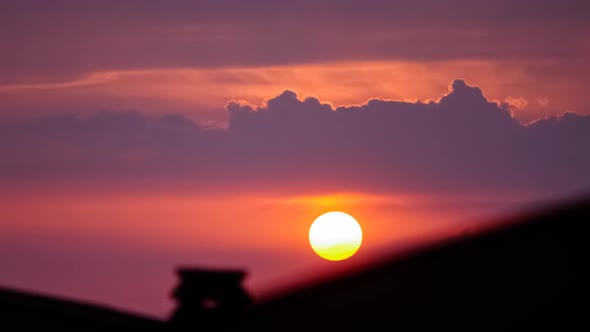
[74, 304]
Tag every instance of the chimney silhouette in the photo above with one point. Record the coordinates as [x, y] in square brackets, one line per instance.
[206, 298]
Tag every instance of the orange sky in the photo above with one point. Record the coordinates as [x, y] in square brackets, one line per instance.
[94, 233]
[267, 235]
[202, 93]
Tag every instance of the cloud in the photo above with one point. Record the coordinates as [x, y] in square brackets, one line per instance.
[519, 103]
[461, 143]
[543, 102]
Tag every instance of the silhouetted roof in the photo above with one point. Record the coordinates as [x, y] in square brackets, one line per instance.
[530, 273]
[25, 311]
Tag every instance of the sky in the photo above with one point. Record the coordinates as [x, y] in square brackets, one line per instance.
[137, 136]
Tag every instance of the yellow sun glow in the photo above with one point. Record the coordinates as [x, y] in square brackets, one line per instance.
[335, 236]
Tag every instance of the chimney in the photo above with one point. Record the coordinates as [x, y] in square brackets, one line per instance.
[206, 298]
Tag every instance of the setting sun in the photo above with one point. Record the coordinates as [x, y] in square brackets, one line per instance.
[335, 236]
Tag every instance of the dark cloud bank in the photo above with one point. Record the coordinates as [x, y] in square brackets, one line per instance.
[462, 143]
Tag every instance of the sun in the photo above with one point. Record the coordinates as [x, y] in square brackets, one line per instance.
[335, 236]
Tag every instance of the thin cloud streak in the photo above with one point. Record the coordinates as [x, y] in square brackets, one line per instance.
[89, 80]
[201, 93]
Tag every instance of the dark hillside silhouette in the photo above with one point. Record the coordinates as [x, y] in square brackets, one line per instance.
[529, 273]
[20, 311]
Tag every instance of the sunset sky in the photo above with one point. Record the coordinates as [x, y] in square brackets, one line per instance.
[137, 136]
